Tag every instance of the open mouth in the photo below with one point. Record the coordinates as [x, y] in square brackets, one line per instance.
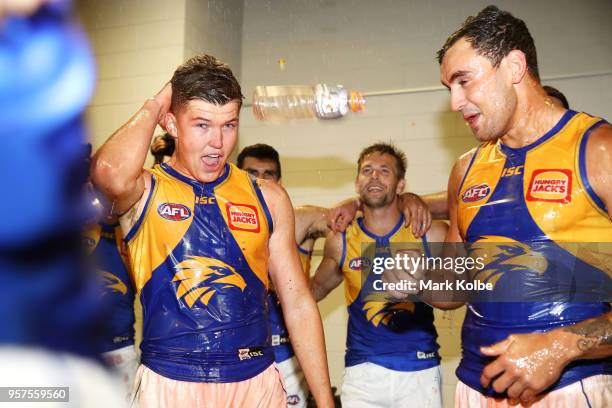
[375, 189]
[212, 160]
[471, 119]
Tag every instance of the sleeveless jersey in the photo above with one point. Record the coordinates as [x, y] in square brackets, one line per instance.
[528, 204]
[280, 336]
[199, 256]
[104, 243]
[398, 336]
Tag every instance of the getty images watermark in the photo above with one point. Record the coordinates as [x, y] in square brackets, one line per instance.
[416, 264]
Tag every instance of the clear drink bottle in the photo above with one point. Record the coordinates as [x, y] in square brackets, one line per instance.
[283, 103]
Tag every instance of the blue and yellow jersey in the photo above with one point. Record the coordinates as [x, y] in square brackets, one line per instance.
[528, 204]
[280, 336]
[398, 336]
[199, 257]
[104, 244]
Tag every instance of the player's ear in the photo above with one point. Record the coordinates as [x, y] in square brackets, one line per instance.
[171, 124]
[401, 185]
[516, 63]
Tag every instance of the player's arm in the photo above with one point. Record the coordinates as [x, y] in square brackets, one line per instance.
[328, 275]
[117, 166]
[299, 308]
[310, 223]
[413, 208]
[599, 164]
[437, 204]
[436, 237]
[527, 364]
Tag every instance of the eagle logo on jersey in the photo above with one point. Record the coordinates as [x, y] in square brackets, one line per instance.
[502, 255]
[381, 312]
[113, 283]
[201, 277]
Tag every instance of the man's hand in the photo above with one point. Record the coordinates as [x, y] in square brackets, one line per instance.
[526, 364]
[416, 213]
[341, 215]
[164, 99]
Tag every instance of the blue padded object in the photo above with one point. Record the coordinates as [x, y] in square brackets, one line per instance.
[47, 78]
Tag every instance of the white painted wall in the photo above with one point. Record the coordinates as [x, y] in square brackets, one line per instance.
[386, 45]
[137, 45]
[215, 27]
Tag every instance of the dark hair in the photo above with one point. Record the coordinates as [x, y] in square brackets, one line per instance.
[555, 93]
[259, 151]
[204, 77]
[385, 148]
[163, 145]
[493, 33]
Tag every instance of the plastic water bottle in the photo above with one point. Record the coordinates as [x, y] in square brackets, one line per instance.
[283, 103]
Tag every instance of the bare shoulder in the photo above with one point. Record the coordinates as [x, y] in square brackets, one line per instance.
[277, 200]
[437, 232]
[463, 161]
[459, 169]
[601, 137]
[333, 245]
[271, 190]
[129, 218]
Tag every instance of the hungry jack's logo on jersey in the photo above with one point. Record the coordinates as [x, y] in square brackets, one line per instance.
[502, 255]
[201, 277]
[552, 185]
[476, 193]
[173, 211]
[242, 217]
[382, 312]
[113, 283]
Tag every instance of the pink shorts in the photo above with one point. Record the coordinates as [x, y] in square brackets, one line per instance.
[262, 391]
[592, 392]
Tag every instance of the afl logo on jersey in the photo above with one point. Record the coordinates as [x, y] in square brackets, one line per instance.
[476, 193]
[359, 263]
[242, 217]
[173, 211]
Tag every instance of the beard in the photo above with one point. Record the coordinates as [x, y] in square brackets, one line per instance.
[376, 202]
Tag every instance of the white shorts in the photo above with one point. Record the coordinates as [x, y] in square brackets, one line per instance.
[124, 362]
[295, 382]
[592, 392]
[369, 385]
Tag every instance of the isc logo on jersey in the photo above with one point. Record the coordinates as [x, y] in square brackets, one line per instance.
[173, 211]
[476, 193]
[242, 217]
[553, 185]
[359, 263]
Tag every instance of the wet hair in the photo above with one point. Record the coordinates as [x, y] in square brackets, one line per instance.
[493, 33]
[162, 146]
[204, 77]
[385, 148]
[555, 93]
[259, 151]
